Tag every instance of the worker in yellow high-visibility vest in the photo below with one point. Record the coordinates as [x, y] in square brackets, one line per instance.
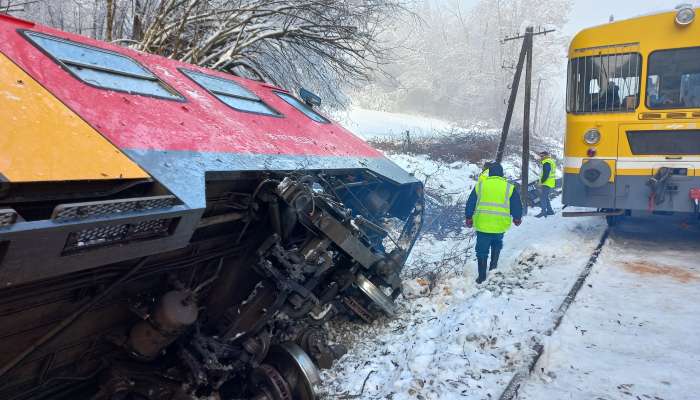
[491, 208]
[547, 183]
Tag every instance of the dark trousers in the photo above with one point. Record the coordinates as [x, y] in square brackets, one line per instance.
[486, 242]
[545, 204]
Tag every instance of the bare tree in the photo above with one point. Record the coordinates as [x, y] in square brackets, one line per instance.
[7, 6]
[453, 64]
[327, 45]
[110, 19]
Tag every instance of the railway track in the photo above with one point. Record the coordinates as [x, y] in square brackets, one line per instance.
[511, 390]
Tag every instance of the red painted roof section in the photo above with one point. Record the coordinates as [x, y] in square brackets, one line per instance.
[201, 124]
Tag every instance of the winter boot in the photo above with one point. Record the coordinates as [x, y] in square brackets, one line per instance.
[494, 259]
[482, 269]
[541, 214]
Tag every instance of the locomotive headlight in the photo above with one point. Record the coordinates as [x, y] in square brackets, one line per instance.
[685, 14]
[592, 136]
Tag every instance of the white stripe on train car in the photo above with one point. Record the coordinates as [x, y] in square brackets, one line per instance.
[638, 162]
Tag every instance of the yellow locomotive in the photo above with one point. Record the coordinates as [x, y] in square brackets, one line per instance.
[633, 108]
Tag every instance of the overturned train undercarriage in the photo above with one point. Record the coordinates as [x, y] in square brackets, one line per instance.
[237, 313]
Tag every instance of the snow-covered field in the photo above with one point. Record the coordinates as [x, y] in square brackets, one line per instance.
[454, 339]
[371, 124]
[631, 333]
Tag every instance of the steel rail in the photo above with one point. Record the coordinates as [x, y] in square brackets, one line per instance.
[511, 390]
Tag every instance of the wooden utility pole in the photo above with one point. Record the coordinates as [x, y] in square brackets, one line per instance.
[511, 103]
[536, 117]
[525, 169]
[525, 59]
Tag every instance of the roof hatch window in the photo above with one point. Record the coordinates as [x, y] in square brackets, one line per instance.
[102, 68]
[299, 105]
[231, 93]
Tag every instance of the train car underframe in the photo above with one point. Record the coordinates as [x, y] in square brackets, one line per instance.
[128, 294]
[669, 191]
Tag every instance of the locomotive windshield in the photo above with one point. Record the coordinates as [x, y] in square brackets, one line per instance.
[604, 83]
[674, 79]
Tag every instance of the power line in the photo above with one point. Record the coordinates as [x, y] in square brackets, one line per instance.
[540, 31]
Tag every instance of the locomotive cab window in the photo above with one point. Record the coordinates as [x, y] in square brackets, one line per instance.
[299, 105]
[101, 68]
[674, 79]
[231, 93]
[604, 83]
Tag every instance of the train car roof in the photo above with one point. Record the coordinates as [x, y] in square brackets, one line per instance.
[197, 122]
[653, 30]
[193, 131]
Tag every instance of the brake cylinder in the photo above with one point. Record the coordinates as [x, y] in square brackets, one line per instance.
[175, 311]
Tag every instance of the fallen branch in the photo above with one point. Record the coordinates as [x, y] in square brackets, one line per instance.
[362, 391]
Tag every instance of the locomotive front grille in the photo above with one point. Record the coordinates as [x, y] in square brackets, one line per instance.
[104, 235]
[80, 211]
[664, 142]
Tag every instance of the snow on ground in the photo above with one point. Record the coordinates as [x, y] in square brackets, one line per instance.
[454, 179]
[633, 331]
[370, 124]
[452, 338]
[459, 340]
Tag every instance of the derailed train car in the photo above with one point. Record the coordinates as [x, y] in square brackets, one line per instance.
[173, 232]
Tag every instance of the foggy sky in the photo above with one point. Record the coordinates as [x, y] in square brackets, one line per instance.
[587, 13]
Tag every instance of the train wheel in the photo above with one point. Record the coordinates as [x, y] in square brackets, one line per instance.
[270, 384]
[297, 369]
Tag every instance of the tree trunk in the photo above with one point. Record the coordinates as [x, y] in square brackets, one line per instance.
[110, 20]
[137, 30]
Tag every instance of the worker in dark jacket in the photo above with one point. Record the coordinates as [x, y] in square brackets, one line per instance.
[492, 206]
[547, 183]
